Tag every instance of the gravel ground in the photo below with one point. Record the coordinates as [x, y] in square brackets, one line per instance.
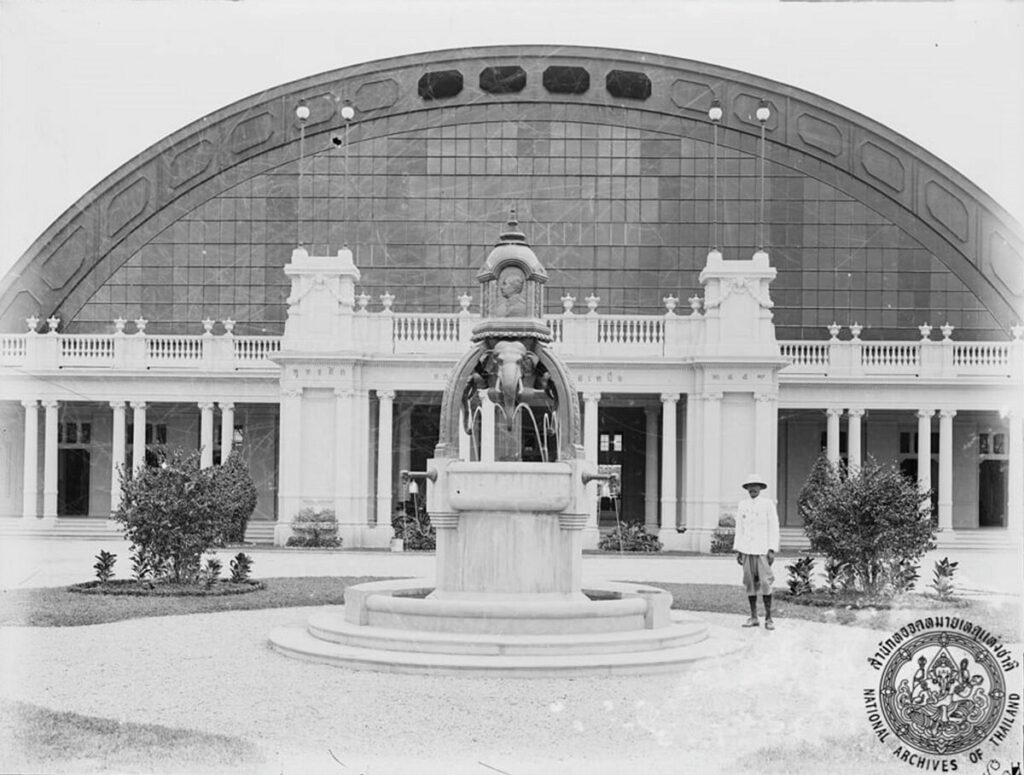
[774, 709]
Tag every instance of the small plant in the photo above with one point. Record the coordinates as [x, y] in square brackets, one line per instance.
[105, 566]
[724, 535]
[315, 528]
[241, 567]
[629, 537]
[837, 576]
[211, 572]
[800, 573]
[142, 567]
[943, 582]
[904, 577]
[414, 529]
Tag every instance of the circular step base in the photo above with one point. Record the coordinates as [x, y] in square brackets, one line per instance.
[687, 643]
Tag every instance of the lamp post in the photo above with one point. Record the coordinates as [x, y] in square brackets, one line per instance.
[302, 114]
[715, 114]
[763, 114]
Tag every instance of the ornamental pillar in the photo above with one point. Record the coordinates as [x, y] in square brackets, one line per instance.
[227, 430]
[832, 435]
[590, 531]
[668, 462]
[50, 460]
[385, 425]
[205, 434]
[712, 403]
[651, 469]
[924, 450]
[853, 451]
[30, 474]
[138, 435]
[946, 468]
[117, 454]
[487, 432]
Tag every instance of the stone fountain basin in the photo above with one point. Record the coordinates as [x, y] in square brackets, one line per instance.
[511, 486]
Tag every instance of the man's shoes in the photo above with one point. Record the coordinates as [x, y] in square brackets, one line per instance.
[752, 622]
[769, 624]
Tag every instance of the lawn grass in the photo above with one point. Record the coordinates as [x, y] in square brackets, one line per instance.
[58, 607]
[34, 739]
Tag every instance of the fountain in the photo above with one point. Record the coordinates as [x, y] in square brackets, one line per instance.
[507, 494]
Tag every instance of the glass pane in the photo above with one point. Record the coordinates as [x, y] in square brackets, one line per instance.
[85, 433]
[998, 444]
[983, 444]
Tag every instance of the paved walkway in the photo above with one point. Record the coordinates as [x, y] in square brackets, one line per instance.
[792, 703]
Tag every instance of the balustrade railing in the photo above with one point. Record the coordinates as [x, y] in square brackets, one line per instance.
[174, 348]
[423, 327]
[981, 357]
[806, 356]
[255, 350]
[86, 350]
[12, 348]
[630, 330]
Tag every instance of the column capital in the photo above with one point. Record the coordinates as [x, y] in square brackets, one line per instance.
[834, 411]
[50, 403]
[858, 413]
[226, 406]
[592, 396]
[30, 403]
[206, 405]
[117, 405]
[386, 395]
[712, 395]
[669, 398]
[947, 413]
[923, 414]
[138, 404]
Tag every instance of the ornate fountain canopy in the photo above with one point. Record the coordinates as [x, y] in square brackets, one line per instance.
[512, 290]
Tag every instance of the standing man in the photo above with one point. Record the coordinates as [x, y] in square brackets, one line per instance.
[757, 541]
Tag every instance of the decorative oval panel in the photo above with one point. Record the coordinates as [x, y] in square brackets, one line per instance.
[251, 132]
[820, 134]
[127, 205]
[66, 259]
[692, 95]
[190, 162]
[376, 95]
[948, 209]
[1007, 264]
[883, 166]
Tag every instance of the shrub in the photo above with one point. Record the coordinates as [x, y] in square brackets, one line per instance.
[629, 537]
[837, 576]
[874, 522]
[172, 513]
[800, 573]
[211, 572]
[235, 485]
[413, 526]
[241, 567]
[943, 580]
[724, 535]
[314, 528]
[105, 566]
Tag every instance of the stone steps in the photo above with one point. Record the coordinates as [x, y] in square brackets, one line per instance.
[716, 643]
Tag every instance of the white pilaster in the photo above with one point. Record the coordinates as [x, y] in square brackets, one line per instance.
[205, 434]
[694, 458]
[591, 532]
[946, 468]
[668, 464]
[651, 469]
[832, 435]
[853, 450]
[50, 460]
[289, 490]
[30, 478]
[385, 424]
[766, 430]
[117, 454]
[227, 429]
[924, 449]
[1015, 475]
[138, 435]
[345, 444]
[712, 468]
[405, 439]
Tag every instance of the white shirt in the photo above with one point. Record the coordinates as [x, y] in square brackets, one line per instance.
[757, 526]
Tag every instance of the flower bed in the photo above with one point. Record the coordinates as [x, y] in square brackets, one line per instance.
[134, 588]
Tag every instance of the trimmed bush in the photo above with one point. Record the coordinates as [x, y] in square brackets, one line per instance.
[315, 528]
[235, 485]
[629, 537]
[241, 567]
[942, 582]
[873, 524]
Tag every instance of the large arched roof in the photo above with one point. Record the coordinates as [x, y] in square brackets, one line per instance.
[942, 210]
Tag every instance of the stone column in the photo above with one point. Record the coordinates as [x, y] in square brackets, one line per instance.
[117, 454]
[344, 455]
[668, 462]
[853, 451]
[227, 430]
[694, 458]
[591, 531]
[766, 424]
[30, 480]
[289, 489]
[712, 468]
[832, 435]
[946, 468]
[385, 424]
[924, 449]
[405, 440]
[651, 469]
[50, 460]
[1015, 475]
[138, 435]
[205, 434]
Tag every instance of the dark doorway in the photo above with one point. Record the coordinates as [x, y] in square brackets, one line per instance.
[622, 443]
[992, 493]
[73, 476]
[425, 423]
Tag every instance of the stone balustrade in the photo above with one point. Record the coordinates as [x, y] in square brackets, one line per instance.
[583, 336]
